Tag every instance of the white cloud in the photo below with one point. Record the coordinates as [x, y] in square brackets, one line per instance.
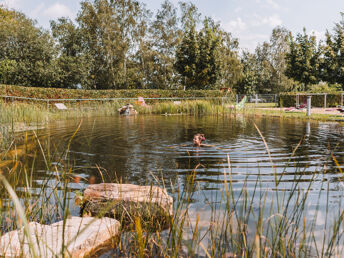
[273, 4]
[249, 41]
[58, 10]
[37, 10]
[246, 33]
[235, 26]
[272, 21]
[238, 10]
[14, 4]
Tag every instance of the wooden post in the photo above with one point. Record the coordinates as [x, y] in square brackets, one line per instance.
[341, 100]
[297, 100]
[309, 105]
[237, 98]
[325, 100]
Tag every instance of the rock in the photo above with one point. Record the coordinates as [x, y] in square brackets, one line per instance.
[125, 202]
[82, 237]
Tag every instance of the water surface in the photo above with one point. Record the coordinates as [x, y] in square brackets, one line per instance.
[145, 149]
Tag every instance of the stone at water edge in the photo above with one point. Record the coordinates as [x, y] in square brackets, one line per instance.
[91, 235]
[126, 201]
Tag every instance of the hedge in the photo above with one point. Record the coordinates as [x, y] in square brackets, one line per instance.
[289, 99]
[57, 93]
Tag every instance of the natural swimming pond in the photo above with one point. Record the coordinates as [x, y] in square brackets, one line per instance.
[302, 156]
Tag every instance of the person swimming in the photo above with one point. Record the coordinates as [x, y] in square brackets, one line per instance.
[197, 140]
[127, 110]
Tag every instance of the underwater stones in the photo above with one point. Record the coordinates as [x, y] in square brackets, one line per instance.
[82, 237]
[125, 202]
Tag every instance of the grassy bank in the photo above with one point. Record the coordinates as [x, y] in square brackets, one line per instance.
[279, 112]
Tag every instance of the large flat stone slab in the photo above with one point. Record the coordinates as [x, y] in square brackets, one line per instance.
[125, 202]
[82, 237]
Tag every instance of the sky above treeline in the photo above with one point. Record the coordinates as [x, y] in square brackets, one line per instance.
[251, 21]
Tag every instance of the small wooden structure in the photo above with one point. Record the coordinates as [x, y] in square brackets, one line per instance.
[297, 98]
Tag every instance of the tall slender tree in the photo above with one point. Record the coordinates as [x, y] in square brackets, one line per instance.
[187, 53]
[208, 65]
[303, 59]
[111, 33]
[165, 37]
[230, 71]
[72, 68]
[333, 58]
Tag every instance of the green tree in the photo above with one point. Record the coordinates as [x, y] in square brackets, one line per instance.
[111, 30]
[208, 65]
[187, 53]
[249, 79]
[303, 60]
[165, 37]
[279, 47]
[266, 67]
[71, 65]
[197, 56]
[333, 58]
[230, 71]
[26, 52]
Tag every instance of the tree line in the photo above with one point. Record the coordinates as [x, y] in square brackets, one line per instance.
[123, 45]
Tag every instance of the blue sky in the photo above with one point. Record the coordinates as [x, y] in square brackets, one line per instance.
[249, 20]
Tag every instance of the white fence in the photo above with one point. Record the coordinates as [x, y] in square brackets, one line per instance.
[258, 98]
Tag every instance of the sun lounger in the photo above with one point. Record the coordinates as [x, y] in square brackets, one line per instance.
[299, 107]
[60, 106]
[341, 109]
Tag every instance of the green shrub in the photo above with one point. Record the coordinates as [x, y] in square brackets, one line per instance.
[53, 93]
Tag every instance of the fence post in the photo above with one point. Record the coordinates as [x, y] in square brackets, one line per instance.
[237, 98]
[256, 99]
[297, 100]
[325, 100]
[309, 104]
[48, 104]
[341, 100]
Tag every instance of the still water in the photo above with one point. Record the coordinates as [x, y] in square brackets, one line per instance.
[132, 149]
[145, 149]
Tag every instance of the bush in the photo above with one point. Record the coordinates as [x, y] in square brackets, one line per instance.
[54, 93]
